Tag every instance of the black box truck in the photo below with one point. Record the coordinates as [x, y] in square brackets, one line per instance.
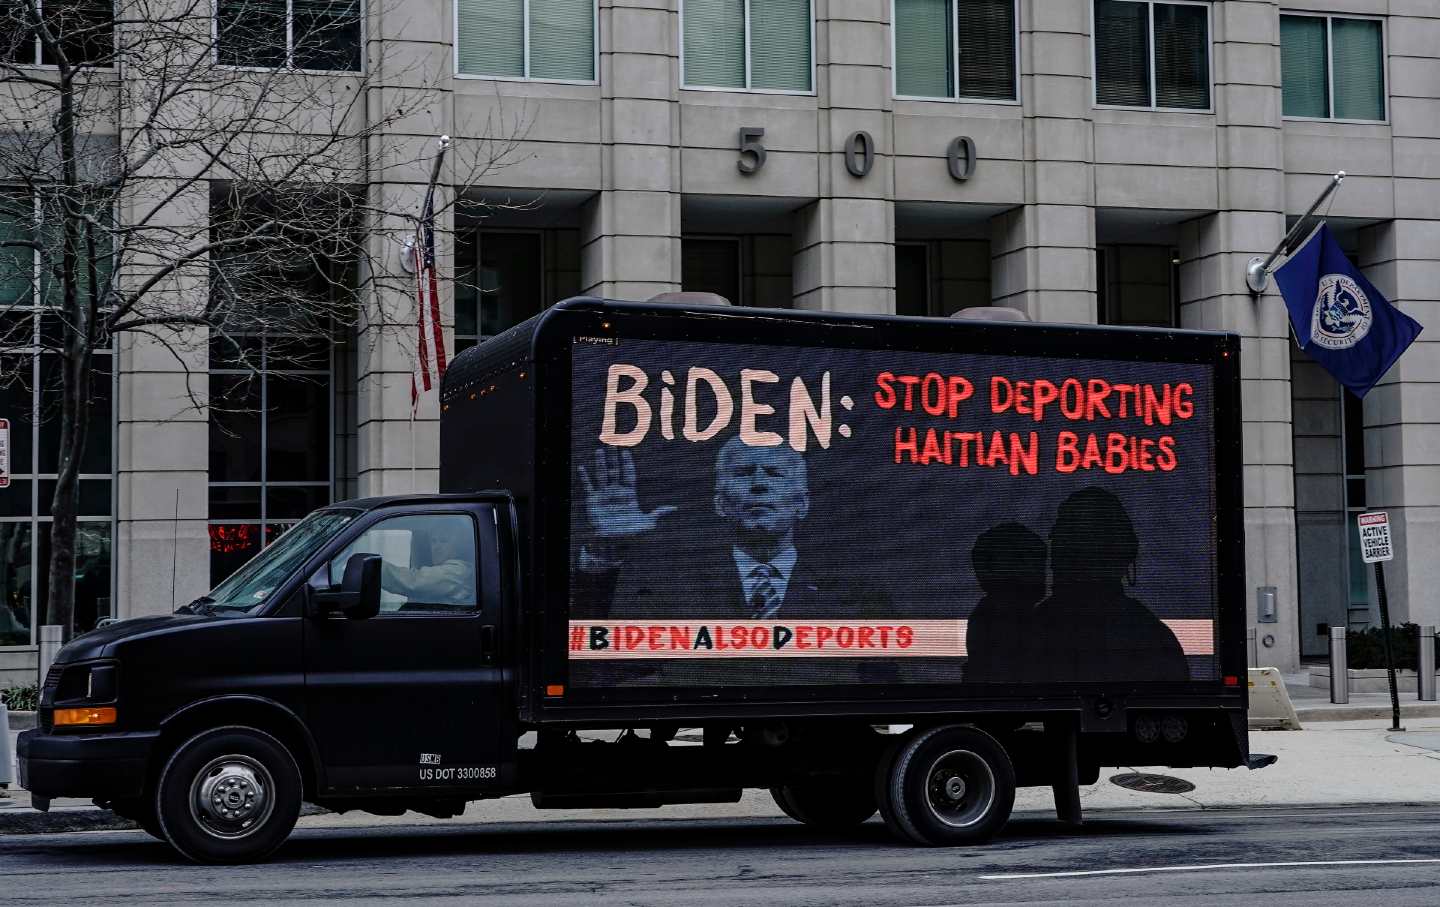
[868, 563]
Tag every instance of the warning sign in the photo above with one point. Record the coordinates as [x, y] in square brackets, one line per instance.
[1375, 537]
[4, 453]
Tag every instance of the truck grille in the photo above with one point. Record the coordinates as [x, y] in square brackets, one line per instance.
[47, 697]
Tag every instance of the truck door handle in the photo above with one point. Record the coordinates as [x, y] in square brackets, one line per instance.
[487, 642]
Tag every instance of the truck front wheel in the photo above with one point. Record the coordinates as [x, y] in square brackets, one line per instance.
[946, 786]
[229, 795]
[832, 807]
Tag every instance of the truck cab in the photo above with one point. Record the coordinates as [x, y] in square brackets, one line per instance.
[355, 662]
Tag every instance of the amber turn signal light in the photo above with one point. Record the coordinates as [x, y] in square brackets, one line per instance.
[101, 714]
[555, 689]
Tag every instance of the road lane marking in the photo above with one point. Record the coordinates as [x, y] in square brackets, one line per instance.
[1199, 868]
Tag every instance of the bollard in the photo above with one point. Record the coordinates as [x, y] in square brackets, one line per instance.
[1339, 667]
[1250, 650]
[1427, 664]
[7, 752]
[52, 637]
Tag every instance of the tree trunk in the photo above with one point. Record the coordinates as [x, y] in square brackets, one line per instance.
[75, 372]
[60, 609]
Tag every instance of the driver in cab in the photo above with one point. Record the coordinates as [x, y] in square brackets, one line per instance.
[448, 579]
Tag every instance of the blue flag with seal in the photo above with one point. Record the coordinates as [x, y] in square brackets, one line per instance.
[1339, 318]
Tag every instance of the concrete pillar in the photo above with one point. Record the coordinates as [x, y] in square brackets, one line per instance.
[1402, 417]
[630, 231]
[844, 257]
[1214, 250]
[1043, 253]
[1402, 414]
[163, 436]
[396, 454]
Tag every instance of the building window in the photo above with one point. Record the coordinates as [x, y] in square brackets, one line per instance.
[86, 30]
[30, 387]
[912, 279]
[300, 34]
[1154, 55]
[1332, 68]
[712, 264]
[499, 282]
[271, 411]
[750, 45]
[1138, 286]
[550, 40]
[282, 300]
[1353, 422]
[955, 49]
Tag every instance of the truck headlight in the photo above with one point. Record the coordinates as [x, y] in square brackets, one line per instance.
[86, 683]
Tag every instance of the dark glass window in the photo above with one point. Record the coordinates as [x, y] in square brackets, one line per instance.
[326, 34]
[1182, 56]
[912, 279]
[500, 282]
[1152, 54]
[84, 29]
[30, 396]
[297, 417]
[235, 428]
[711, 266]
[270, 441]
[17, 575]
[305, 34]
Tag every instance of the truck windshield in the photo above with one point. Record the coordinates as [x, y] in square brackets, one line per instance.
[251, 585]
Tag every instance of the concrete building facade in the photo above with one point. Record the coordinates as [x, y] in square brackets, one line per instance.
[1117, 161]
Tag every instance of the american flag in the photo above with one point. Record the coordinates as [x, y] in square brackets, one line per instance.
[430, 338]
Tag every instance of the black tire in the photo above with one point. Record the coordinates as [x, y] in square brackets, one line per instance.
[229, 795]
[141, 811]
[947, 786]
[836, 806]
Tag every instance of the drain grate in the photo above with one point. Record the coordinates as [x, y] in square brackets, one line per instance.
[1146, 783]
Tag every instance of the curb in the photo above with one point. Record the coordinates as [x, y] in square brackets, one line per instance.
[23, 820]
[1329, 712]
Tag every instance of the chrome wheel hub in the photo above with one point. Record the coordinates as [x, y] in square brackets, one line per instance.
[232, 797]
[959, 788]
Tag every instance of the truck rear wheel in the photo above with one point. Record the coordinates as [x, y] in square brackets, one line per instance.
[834, 807]
[946, 786]
[229, 795]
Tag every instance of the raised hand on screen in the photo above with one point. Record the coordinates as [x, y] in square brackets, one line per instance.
[610, 499]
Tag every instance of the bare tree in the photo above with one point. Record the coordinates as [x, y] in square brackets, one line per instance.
[184, 177]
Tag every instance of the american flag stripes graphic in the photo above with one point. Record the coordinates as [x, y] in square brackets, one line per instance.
[430, 339]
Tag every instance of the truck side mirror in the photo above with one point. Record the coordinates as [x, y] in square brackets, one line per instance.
[359, 594]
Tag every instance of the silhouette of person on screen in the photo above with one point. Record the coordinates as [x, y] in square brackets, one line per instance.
[1009, 561]
[749, 568]
[1089, 629]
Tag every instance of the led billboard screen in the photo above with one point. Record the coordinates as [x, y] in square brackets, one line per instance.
[748, 515]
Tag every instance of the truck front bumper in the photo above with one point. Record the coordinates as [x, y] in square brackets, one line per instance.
[99, 766]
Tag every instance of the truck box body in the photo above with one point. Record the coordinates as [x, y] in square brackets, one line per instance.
[744, 513]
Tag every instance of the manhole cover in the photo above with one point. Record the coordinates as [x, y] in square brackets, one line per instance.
[1147, 783]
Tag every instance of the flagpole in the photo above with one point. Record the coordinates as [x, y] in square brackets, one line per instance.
[1257, 273]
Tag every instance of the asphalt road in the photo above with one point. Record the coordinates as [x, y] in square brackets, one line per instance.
[1357, 855]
